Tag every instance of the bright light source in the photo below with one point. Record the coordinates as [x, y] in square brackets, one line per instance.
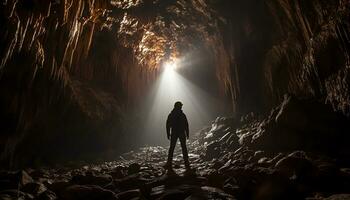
[170, 73]
[170, 66]
[172, 87]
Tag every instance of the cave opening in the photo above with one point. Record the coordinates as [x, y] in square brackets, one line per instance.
[90, 91]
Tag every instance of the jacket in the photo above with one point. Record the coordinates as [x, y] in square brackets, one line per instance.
[177, 123]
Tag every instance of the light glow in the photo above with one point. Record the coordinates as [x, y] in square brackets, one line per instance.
[172, 87]
[170, 66]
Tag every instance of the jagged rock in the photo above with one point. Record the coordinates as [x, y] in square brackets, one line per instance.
[231, 186]
[15, 194]
[134, 168]
[214, 193]
[58, 186]
[221, 130]
[155, 192]
[47, 195]
[173, 194]
[226, 166]
[275, 187]
[216, 179]
[245, 171]
[34, 188]
[39, 174]
[76, 192]
[225, 138]
[301, 124]
[296, 164]
[257, 156]
[248, 118]
[213, 150]
[231, 189]
[261, 183]
[118, 172]
[217, 164]
[23, 177]
[275, 159]
[133, 181]
[338, 197]
[91, 179]
[246, 139]
[179, 191]
[14, 180]
[331, 179]
[202, 134]
[129, 194]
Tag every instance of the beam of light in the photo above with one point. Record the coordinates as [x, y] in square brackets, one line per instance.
[172, 87]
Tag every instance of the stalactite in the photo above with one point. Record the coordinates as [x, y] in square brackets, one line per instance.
[149, 37]
[298, 57]
[260, 49]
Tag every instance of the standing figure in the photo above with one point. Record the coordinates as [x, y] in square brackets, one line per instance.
[177, 128]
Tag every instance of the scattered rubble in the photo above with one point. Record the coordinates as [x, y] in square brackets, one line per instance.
[295, 153]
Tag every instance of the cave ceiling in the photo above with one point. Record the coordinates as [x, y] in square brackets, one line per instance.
[153, 29]
[164, 30]
[60, 35]
[280, 41]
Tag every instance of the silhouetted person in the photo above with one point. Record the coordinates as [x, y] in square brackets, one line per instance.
[177, 128]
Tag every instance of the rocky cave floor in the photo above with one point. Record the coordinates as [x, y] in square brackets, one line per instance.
[230, 159]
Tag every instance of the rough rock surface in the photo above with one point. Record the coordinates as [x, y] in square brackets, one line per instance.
[80, 63]
[230, 159]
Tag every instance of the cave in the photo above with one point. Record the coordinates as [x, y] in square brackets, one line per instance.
[95, 93]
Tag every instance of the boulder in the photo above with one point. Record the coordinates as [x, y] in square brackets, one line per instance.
[331, 179]
[302, 124]
[338, 197]
[214, 193]
[130, 182]
[221, 129]
[47, 195]
[216, 179]
[13, 180]
[296, 165]
[134, 168]
[274, 186]
[84, 192]
[58, 186]
[179, 191]
[34, 188]
[173, 194]
[118, 172]
[213, 150]
[129, 194]
[15, 194]
[92, 179]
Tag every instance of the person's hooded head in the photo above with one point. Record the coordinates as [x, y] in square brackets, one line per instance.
[178, 105]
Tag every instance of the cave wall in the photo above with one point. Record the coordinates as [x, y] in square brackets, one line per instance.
[62, 91]
[284, 46]
[72, 70]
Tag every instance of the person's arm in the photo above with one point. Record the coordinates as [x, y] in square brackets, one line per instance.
[168, 127]
[186, 127]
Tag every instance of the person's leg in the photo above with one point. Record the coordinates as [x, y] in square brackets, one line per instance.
[184, 150]
[173, 140]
